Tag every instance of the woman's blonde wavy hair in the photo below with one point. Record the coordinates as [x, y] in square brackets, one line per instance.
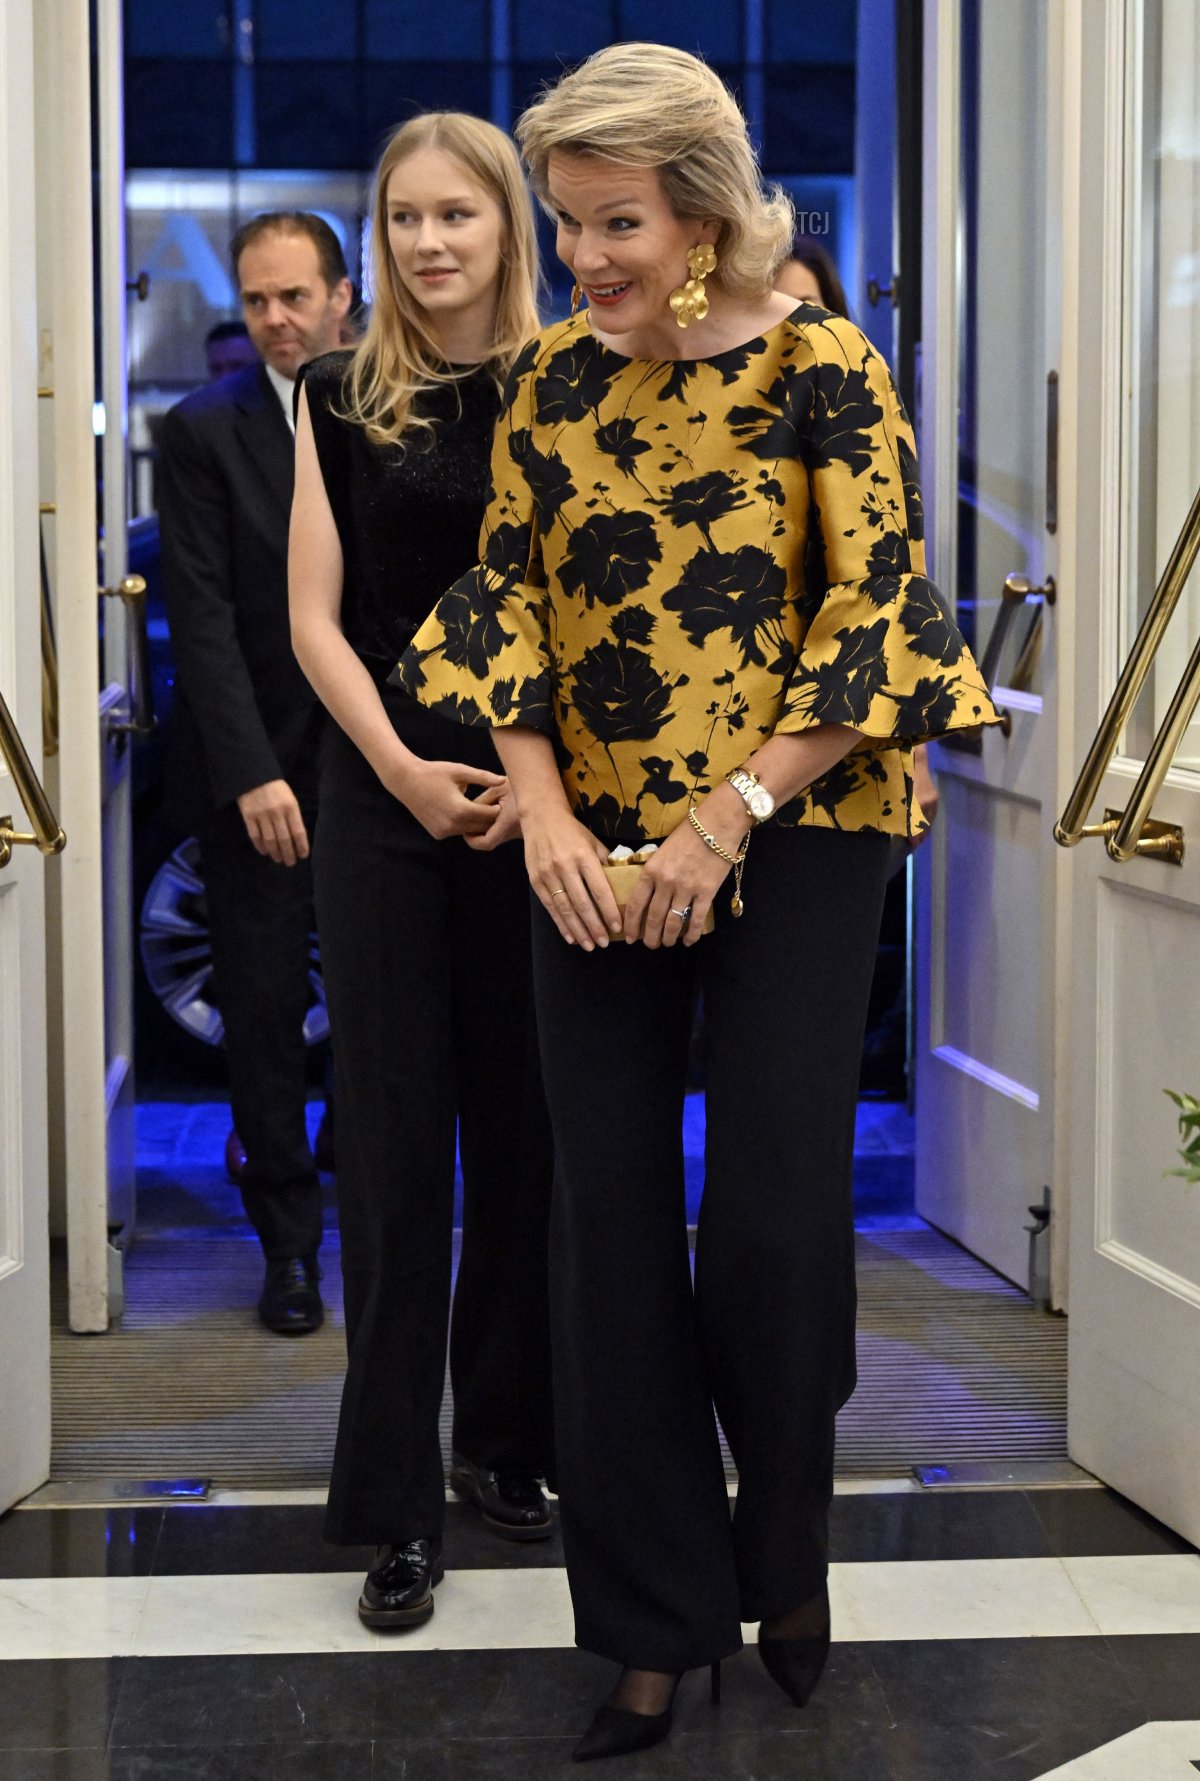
[398, 356]
[644, 105]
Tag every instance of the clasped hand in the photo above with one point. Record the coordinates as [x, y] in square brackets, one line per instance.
[436, 794]
[566, 869]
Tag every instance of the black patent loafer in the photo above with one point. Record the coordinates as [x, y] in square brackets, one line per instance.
[399, 1588]
[512, 1504]
[291, 1299]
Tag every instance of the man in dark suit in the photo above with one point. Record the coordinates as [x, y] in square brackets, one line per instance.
[242, 766]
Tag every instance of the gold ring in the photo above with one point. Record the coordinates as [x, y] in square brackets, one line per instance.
[560, 892]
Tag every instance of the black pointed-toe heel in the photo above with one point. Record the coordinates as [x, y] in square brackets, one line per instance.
[616, 1731]
[796, 1664]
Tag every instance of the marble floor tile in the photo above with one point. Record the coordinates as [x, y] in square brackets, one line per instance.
[1159, 1593]
[936, 1525]
[60, 1617]
[1026, 1704]
[316, 1612]
[243, 1762]
[999, 1598]
[216, 1702]
[205, 1541]
[1163, 1671]
[56, 1765]
[48, 1706]
[1092, 1523]
[216, 1616]
[117, 1542]
[437, 1695]
[527, 1606]
[1158, 1752]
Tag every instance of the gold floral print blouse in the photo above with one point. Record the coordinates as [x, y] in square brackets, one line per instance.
[681, 558]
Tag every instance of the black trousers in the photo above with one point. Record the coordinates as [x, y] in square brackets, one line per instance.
[426, 953]
[660, 1575]
[260, 919]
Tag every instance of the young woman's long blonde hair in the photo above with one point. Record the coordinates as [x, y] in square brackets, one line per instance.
[398, 356]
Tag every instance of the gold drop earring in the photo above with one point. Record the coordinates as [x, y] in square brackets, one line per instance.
[576, 297]
[689, 302]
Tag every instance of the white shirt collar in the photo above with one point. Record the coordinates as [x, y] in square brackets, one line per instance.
[285, 388]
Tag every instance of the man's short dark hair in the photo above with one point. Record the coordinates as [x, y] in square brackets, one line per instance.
[226, 331]
[330, 258]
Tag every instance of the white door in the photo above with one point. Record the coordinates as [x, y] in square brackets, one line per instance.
[986, 882]
[1134, 1355]
[91, 1108]
[24, 1265]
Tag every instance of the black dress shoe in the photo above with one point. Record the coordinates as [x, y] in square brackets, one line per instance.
[616, 1731]
[513, 1504]
[291, 1299]
[796, 1664]
[399, 1588]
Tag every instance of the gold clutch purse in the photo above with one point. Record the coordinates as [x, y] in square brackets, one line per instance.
[623, 875]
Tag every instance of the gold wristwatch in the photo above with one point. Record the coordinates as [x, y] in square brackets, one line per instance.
[753, 793]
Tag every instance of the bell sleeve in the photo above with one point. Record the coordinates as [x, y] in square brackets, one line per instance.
[881, 652]
[483, 654]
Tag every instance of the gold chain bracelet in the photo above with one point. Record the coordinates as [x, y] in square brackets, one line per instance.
[736, 860]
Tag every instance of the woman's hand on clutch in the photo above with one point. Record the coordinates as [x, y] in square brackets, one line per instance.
[507, 826]
[566, 870]
[685, 874]
[436, 793]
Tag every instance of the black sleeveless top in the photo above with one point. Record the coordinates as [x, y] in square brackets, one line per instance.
[409, 516]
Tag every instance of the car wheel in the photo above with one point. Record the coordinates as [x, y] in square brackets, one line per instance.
[177, 952]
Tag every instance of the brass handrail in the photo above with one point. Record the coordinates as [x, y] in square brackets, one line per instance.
[1124, 835]
[131, 591]
[47, 836]
[49, 663]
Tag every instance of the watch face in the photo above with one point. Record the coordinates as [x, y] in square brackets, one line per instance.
[762, 804]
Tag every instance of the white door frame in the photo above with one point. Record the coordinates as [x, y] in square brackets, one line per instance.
[62, 114]
[24, 1249]
[1134, 1338]
[964, 1102]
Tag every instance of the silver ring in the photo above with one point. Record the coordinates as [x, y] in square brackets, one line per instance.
[683, 914]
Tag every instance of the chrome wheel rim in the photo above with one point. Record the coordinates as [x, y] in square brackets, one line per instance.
[176, 952]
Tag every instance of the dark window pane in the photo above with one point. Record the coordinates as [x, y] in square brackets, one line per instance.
[393, 91]
[547, 30]
[182, 28]
[308, 115]
[812, 30]
[528, 79]
[427, 30]
[178, 114]
[304, 30]
[711, 31]
[810, 120]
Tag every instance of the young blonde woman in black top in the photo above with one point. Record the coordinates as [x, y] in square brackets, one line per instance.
[422, 900]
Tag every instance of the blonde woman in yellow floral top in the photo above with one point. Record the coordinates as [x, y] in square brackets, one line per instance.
[701, 620]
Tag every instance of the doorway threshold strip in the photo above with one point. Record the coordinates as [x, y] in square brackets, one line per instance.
[239, 1614]
[954, 1366]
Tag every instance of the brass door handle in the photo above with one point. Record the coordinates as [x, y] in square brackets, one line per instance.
[47, 836]
[875, 291]
[1132, 832]
[1016, 590]
[131, 591]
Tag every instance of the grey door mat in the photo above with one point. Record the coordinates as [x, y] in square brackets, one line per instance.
[954, 1365]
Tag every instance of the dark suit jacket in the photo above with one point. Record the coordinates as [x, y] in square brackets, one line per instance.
[244, 713]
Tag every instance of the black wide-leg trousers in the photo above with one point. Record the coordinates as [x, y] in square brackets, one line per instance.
[660, 1574]
[260, 920]
[426, 952]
